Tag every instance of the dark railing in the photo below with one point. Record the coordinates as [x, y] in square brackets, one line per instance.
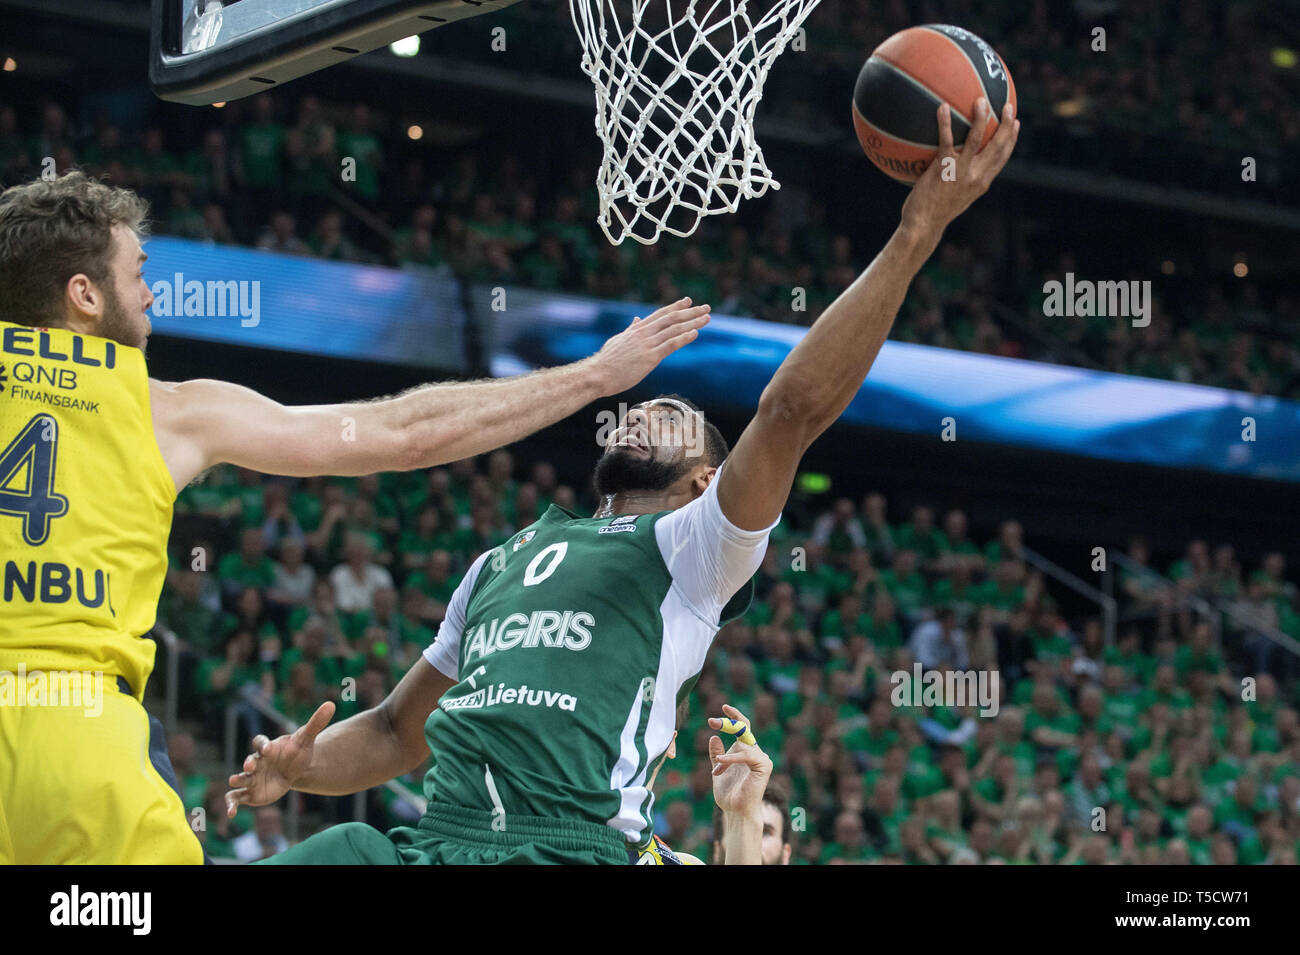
[1213, 610]
[1107, 604]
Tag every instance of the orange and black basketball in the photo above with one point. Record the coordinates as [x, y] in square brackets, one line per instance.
[901, 86]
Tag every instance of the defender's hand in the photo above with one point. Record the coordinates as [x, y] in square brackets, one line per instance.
[275, 765]
[936, 201]
[634, 352]
[740, 774]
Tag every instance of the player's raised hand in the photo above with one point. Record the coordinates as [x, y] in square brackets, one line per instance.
[957, 178]
[634, 352]
[275, 764]
[741, 773]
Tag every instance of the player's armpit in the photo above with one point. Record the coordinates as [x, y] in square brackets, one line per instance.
[709, 557]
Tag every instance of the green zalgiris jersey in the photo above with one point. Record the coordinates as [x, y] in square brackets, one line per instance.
[572, 645]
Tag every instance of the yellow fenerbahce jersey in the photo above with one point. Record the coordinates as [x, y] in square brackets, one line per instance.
[656, 852]
[85, 505]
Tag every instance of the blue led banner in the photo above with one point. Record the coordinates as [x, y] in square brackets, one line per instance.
[914, 387]
[262, 300]
[416, 317]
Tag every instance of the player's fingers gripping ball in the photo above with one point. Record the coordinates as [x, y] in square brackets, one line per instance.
[906, 79]
[738, 729]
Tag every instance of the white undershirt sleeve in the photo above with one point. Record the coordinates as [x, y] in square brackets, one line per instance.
[444, 652]
[709, 557]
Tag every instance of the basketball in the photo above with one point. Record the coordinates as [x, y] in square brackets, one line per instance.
[904, 81]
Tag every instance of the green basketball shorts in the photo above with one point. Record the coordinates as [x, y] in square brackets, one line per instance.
[451, 835]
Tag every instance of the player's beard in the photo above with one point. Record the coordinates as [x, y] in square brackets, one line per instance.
[620, 471]
[117, 325]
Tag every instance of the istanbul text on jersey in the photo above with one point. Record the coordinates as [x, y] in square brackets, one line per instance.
[51, 582]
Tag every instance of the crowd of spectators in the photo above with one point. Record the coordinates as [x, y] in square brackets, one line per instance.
[276, 183]
[1206, 336]
[298, 592]
[1194, 71]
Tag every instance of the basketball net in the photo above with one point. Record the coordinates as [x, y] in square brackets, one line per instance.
[675, 98]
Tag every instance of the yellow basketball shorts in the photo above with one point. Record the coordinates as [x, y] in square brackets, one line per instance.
[78, 785]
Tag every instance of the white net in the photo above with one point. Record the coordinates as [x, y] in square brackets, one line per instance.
[677, 84]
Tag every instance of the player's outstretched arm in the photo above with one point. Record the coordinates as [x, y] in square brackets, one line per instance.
[204, 422]
[740, 776]
[363, 751]
[823, 372]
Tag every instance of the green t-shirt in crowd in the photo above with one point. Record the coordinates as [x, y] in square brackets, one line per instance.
[233, 568]
[910, 593]
[262, 145]
[329, 670]
[369, 156]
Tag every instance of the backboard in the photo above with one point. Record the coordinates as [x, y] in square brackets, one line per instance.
[212, 51]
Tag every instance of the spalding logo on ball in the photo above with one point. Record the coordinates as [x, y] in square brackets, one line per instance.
[903, 83]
